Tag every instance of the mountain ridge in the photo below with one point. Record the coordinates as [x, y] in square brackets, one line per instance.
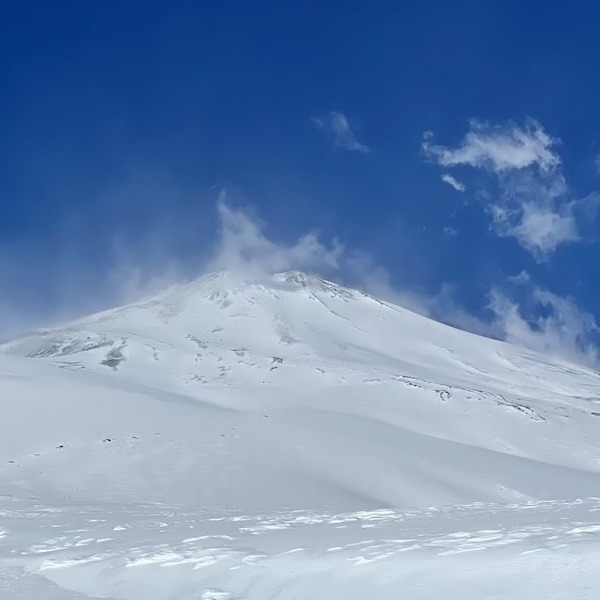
[332, 367]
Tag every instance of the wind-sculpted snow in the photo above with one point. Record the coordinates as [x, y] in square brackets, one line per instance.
[231, 439]
[518, 551]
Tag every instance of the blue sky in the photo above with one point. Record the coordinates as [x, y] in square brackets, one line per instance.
[142, 142]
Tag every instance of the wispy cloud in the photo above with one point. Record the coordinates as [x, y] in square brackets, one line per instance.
[530, 201]
[521, 278]
[453, 182]
[539, 227]
[243, 247]
[499, 148]
[336, 124]
[518, 311]
[450, 231]
[551, 324]
[364, 272]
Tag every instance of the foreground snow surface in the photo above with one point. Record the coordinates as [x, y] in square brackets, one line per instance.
[531, 550]
[291, 439]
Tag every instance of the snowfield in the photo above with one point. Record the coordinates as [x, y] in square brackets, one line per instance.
[292, 439]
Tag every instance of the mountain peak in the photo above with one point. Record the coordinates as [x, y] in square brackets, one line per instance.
[292, 361]
[224, 286]
[299, 278]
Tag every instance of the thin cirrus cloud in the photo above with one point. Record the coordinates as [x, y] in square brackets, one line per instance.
[497, 147]
[337, 126]
[453, 182]
[531, 201]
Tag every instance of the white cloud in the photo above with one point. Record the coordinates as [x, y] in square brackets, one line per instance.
[535, 209]
[520, 279]
[450, 231]
[453, 182]
[336, 124]
[499, 148]
[538, 227]
[243, 248]
[554, 325]
[531, 201]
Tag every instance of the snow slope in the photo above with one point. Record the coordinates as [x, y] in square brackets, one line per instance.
[298, 431]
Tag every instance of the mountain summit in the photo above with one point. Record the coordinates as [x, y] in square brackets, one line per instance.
[292, 391]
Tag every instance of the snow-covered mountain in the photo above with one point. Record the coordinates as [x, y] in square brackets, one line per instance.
[280, 403]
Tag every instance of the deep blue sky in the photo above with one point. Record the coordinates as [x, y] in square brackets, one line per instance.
[121, 122]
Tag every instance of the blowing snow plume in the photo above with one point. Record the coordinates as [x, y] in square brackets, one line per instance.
[243, 249]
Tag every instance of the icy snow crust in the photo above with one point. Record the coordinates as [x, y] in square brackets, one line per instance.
[291, 438]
